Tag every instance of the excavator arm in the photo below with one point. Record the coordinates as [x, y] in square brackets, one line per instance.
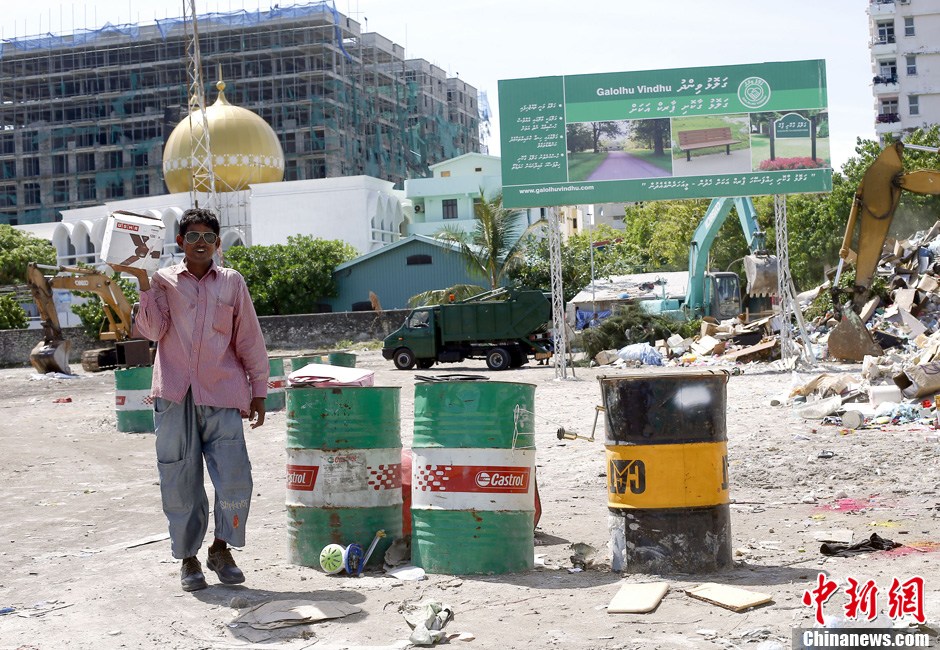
[876, 200]
[51, 354]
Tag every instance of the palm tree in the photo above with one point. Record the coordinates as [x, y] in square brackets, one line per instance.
[496, 243]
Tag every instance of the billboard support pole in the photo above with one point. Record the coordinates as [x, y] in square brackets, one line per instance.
[560, 333]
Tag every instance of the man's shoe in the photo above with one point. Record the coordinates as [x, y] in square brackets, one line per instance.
[224, 566]
[191, 577]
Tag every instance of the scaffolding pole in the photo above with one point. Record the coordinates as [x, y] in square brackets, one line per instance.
[791, 350]
[560, 333]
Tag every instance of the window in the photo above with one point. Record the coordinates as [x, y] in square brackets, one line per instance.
[450, 208]
[477, 202]
[911, 65]
[909, 25]
[60, 165]
[141, 185]
[913, 104]
[30, 166]
[141, 160]
[7, 145]
[445, 174]
[413, 260]
[86, 189]
[60, 192]
[114, 190]
[8, 196]
[8, 169]
[31, 194]
[887, 72]
[114, 159]
[885, 32]
[85, 162]
[30, 142]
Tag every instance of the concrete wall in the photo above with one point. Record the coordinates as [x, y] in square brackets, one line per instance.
[302, 332]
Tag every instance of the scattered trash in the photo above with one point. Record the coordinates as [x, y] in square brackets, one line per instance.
[582, 555]
[7, 610]
[873, 543]
[637, 598]
[62, 400]
[398, 553]
[427, 621]
[826, 454]
[733, 598]
[407, 573]
[262, 622]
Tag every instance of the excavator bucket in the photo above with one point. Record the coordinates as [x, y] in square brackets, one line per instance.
[850, 340]
[52, 356]
[761, 272]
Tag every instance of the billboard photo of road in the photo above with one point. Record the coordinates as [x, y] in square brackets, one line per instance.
[618, 150]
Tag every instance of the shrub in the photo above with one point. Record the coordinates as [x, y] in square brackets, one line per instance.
[791, 163]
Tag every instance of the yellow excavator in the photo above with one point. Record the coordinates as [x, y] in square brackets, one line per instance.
[873, 208]
[52, 353]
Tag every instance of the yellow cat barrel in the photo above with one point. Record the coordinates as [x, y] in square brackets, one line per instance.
[667, 470]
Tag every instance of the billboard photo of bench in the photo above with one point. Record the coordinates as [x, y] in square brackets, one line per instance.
[711, 144]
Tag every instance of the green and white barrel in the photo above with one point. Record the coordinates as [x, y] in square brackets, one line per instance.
[473, 471]
[133, 404]
[299, 362]
[343, 469]
[277, 384]
[345, 359]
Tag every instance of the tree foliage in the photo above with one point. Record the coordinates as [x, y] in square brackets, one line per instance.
[651, 134]
[17, 249]
[290, 278]
[12, 315]
[612, 256]
[496, 243]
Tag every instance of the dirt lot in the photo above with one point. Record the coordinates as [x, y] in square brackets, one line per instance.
[81, 510]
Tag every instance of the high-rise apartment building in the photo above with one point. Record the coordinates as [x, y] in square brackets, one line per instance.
[85, 115]
[906, 64]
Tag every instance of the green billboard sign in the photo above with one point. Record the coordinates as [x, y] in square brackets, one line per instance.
[793, 125]
[664, 134]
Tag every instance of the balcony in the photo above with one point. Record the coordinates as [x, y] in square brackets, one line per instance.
[887, 118]
[885, 84]
[883, 46]
[881, 7]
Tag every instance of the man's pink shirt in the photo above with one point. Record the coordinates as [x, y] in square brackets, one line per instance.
[213, 341]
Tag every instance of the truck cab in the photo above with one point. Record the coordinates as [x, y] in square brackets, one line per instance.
[414, 340]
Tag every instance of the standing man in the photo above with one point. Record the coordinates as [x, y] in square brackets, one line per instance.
[211, 371]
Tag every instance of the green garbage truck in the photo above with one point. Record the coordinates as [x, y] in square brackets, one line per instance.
[503, 326]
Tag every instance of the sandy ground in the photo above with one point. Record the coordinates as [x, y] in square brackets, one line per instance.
[80, 507]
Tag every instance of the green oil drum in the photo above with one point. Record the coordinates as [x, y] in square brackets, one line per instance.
[345, 359]
[667, 470]
[277, 383]
[132, 402]
[299, 362]
[473, 471]
[343, 469]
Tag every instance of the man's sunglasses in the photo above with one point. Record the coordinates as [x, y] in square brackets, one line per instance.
[209, 237]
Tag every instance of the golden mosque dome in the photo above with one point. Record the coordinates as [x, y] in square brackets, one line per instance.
[245, 149]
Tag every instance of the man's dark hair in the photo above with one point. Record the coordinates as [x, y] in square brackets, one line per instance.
[199, 215]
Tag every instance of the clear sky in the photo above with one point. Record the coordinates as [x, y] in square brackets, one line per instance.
[483, 41]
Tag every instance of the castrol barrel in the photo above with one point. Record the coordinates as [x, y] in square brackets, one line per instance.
[133, 404]
[343, 469]
[277, 383]
[667, 470]
[473, 477]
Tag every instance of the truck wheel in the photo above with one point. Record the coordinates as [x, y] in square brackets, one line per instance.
[424, 364]
[497, 359]
[404, 359]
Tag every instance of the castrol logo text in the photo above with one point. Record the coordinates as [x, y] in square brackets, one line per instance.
[472, 478]
[302, 477]
[517, 478]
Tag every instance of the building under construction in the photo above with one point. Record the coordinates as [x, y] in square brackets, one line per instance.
[85, 115]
